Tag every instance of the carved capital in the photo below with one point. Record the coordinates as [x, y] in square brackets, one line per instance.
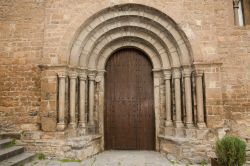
[199, 73]
[176, 73]
[73, 75]
[62, 74]
[187, 72]
[92, 76]
[82, 76]
[236, 3]
[167, 74]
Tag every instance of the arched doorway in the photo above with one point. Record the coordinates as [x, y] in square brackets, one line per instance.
[129, 121]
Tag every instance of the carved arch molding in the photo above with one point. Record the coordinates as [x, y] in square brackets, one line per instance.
[178, 88]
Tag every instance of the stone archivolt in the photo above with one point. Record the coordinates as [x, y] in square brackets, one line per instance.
[160, 38]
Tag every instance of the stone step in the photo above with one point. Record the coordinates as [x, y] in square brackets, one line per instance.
[10, 152]
[18, 160]
[4, 142]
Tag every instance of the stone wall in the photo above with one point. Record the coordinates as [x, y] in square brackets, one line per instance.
[34, 32]
[21, 44]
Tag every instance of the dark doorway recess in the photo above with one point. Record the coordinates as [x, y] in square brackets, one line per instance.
[129, 120]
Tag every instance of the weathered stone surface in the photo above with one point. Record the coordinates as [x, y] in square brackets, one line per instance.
[43, 32]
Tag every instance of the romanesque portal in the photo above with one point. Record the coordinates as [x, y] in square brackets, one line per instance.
[172, 113]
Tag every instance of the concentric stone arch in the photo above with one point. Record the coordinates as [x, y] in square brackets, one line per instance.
[130, 19]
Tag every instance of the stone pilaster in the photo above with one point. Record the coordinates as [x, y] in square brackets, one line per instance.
[177, 83]
[236, 10]
[82, 89]
[72, 77]
[91, 77]
[199, 99]
[188, 97]
[167, 78]
[61, 110]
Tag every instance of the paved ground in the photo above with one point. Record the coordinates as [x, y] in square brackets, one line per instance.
[115, 158]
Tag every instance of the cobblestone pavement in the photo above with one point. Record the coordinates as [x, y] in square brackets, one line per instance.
[115, 158]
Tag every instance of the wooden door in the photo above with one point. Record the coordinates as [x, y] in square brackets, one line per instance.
[129, 121]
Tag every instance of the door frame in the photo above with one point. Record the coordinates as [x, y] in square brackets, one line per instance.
[100, 104]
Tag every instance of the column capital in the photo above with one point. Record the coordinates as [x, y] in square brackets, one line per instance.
[62, 74]
[167, 74]
[236, 3]
[92, 76]
[72, 75]
[187, 72]
[83, 76]
[199, 73]
[176, 73]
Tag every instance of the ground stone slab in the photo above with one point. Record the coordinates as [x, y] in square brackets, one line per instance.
[116, 158]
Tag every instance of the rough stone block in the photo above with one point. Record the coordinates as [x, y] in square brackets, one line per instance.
[48, 124]
[190, 133]
[179, 132]
[169, 131]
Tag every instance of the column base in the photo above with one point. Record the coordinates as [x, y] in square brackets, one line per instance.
[81, 125]
[169, 131]
[168, 123]
[72, 125]
[91, 129]
[179, 124]
[60, 126]
[189, 125]
[191, 133]
[201, 125]
[179, 132]
[81, 131]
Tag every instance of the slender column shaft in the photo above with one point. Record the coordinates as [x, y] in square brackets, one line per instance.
[82, 115]
[167, 77]
[177, 83]
[236, 14]
[72, 78]
[91, 98]
[188, 98]
[61, 110]
[199, 100]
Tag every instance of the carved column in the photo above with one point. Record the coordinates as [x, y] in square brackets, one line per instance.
[188, 97]
[236, 12]
[82, 89]
[100, 99]
[199, 100]
[177, 83]
[91, 77]
[72, 111]
[167, 78]
[61, 110]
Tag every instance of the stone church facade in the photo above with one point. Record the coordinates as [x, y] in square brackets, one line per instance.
[55, 78]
